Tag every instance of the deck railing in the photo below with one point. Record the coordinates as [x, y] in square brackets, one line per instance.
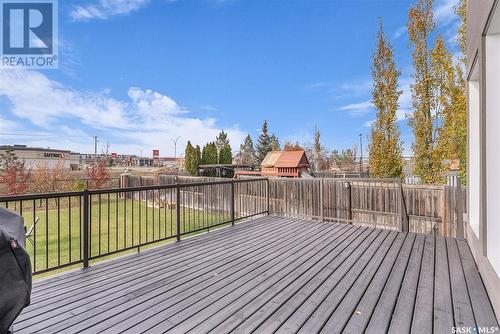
[70, 228]
[381, 203]
[78, 227]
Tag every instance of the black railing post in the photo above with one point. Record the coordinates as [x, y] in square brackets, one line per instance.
[86, 228]
[268, 196]
[178, 210]
[232, 202]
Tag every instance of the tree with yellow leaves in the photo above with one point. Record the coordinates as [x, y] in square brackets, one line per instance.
[439, 118]
[451, 98]
[385, 145]
[425, 118]
[456, 125]
[443, 108]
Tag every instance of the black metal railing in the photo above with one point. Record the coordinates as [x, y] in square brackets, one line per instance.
[65, 229]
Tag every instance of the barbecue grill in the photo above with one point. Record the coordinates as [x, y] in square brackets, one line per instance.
[15, 269]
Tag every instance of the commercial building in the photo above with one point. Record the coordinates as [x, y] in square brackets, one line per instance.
[483, 74]
[35, 157]
[157, 162]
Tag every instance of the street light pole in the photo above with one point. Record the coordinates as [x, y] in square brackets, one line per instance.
[175, 151]
[140, 158]
[95, 149]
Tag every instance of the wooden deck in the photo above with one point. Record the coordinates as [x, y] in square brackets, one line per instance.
[272, 275]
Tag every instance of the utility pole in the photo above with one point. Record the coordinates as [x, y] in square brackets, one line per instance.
[95, 149]
[361, 153]
[107, 148]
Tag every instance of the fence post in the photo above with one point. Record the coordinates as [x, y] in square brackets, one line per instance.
[268, 195]
[178, 210]
[85, 228]
[321, 204]
[404, 222]
[232, 203]
[347, 185]
[460, 213]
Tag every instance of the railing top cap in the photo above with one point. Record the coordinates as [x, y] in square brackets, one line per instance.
[122, 190]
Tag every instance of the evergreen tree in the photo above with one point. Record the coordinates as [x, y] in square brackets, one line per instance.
[226, 155]
[275, 143]
[420, 25]
[196, 161]
[9, 159]
[188, 158]
[385, 146]
[209, 156]
[264, 145]
[224, 151]
[247, 152]
[221, 140]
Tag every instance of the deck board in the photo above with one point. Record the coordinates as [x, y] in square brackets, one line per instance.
[90, 294]
[443, 308]
[218, 286]
[271, 274]
[462, 307]
[423, 312]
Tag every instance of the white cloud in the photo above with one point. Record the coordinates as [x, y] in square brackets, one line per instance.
[153, 105]
[39, 99]
[321, 85]
[444, 12]
[351, 88]
[148, 119]
[358, 109]
[208, 107]
[6, 125]
[104, 9]
[357, 87]
[400, 32]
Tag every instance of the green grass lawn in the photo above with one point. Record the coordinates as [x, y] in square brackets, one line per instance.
[115, 224]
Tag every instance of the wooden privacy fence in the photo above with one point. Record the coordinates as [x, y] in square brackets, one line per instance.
[383, 203]
[437, 208]
[375, 203]
[249, 198]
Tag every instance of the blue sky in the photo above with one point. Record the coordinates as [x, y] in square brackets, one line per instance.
[137, 73]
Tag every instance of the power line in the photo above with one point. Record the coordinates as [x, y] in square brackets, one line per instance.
[40, 135]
